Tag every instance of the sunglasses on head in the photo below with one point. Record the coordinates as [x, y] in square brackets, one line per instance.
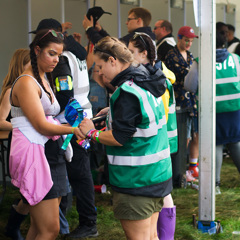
[54, 33]
[136, 35]
[96, 49]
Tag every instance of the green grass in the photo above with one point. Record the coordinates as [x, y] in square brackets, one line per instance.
[186, 200]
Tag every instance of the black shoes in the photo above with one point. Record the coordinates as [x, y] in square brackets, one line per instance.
[84, 231]
[12, 229]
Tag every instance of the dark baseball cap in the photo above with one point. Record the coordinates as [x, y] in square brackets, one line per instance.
[96, 13]
[48, 23]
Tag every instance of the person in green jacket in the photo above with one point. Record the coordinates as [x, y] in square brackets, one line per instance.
[140, 170]
[144, 51]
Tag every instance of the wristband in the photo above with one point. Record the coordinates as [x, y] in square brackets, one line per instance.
[96, 136]
[90, 132]
[87, 28]
[73, 130]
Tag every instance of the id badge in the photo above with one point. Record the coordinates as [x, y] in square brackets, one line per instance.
[63, 83]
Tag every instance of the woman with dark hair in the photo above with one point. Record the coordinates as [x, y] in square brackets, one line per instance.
[40, 181]
[144, 51]
[140, 171]
[227, 102]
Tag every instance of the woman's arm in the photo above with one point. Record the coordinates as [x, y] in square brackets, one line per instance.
[127, 114]
[105, 138]
[5, 108]
[26, 94]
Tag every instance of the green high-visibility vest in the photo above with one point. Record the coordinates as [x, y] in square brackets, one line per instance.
[144, 159]
[228, 84]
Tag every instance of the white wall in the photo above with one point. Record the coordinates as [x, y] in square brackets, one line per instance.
[74, 13]
[44, 9]
[13, 21]
[158, 9]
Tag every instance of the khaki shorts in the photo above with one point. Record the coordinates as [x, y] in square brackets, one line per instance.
[129, 207]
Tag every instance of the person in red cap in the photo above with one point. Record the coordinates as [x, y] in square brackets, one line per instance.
[178, 60]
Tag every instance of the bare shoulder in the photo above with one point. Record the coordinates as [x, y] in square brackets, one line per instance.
[25, 87]
[26, 82]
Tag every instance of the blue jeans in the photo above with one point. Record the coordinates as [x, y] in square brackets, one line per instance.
[64, 227]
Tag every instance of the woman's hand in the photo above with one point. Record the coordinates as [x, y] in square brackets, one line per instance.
[85, 126]
[78, 133]
[87, 23]
[104, 111]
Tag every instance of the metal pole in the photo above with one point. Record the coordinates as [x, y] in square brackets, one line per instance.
[63, 11]
[29, 21]
[88, 4]
[207, 77]
[119, 18]
[184, 13]
[169, 10]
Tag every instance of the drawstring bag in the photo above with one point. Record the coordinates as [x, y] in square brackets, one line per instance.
[74, 116]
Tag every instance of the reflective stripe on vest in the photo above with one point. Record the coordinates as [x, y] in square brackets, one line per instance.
[139, 160]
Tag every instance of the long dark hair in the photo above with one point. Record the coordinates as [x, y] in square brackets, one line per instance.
[42, 41]
[143, 42]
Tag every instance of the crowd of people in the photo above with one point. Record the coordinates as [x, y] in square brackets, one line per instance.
[143, 82]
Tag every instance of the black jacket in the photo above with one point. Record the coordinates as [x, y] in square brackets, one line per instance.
[164, 48]
[127, 113]
[75, 47]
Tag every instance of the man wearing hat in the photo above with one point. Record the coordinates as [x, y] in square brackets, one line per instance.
[179, 60]
[73, 63]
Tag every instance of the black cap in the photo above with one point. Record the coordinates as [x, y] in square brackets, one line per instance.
[48, 23]
[96, 13]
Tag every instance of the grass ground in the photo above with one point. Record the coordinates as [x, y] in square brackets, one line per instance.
[186, 200]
